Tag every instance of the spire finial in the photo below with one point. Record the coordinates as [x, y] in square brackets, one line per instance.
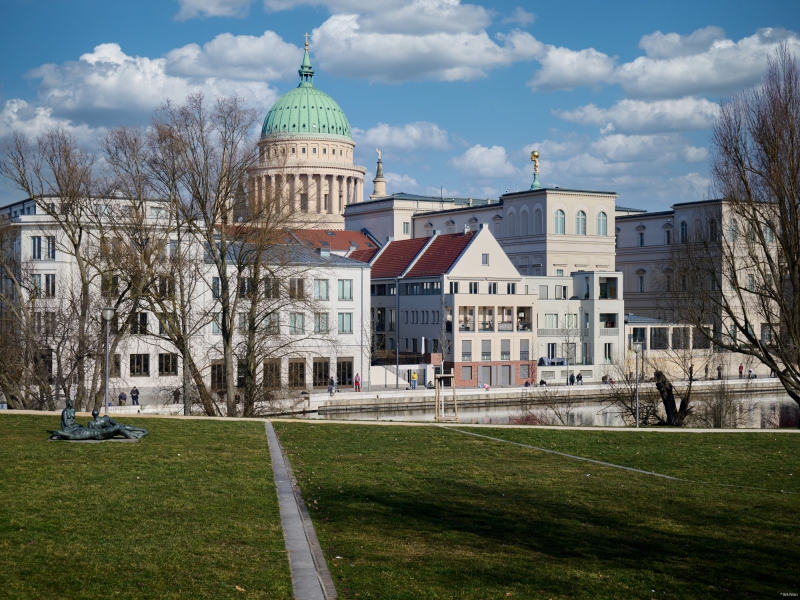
[535, 159]
[305, 35]
[306, 72]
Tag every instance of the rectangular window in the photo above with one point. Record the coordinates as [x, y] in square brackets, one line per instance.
[272, 374]
[466, 350]
[297, 374]
[320, 289]
[641, 283]
[493, 288]
[243, 319]
[524, 371]
[140, 365]
[641, 239]
[167, 364]
[218, 377]
[559, 272]
[215, 287]
[109, 286]
[49, 286]
[466, 373]
[138, 323]
[505, 349]
[659, 338]
[216, 324]
[485, 260]
[668, 236]
[245, 287]
[297, 323]
[321, 323]
[36, 250]
[345, 322]
[608, 353]
[751, 283]
[296, 288]
[486, 349]
[524, 349]
[304, 202]
[345, 289]
[766, 334]
[322, 372]
[406, 228]
[473, 287]
[115, 368]
[543, 292]
[511, 288]
[344, 372]
[453, 287]
[551, 321]
[272, 323]
[272, 288]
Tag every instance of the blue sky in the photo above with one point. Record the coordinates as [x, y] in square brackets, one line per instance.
[616, 96]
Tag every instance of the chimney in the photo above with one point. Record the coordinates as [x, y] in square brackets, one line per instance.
[325, 252]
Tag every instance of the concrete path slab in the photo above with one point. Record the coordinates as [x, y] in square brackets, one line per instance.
[310, 577]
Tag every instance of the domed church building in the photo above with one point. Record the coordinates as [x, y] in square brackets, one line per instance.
[306, 157]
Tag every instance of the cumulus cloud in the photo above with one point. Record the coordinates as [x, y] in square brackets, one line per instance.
[639, 116]
[565, 69]
[400, 183]
[18, 115]
[678, 69]
[106, 86]
[247, 57]
[345, 48]
[480, 161]
[420, 135]
[212, 8]
[520, 16]
[638, 148]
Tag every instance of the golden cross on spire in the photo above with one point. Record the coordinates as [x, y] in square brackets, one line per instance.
[305, 35]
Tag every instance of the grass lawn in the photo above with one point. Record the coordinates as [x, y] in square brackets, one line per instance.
[188, 512]
[423, 512]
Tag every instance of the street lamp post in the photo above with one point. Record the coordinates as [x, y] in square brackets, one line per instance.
[637, 348]
[108, 314]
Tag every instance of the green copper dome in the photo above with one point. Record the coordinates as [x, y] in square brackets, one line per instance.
[306, 111]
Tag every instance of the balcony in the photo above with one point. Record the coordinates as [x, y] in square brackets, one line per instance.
[505, 326]
[390, 326]
[523, 326]
[466, 325]
[486, 326]
[609, 331]
[560, 332]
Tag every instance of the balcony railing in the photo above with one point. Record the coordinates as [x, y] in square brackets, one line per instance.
[524, 326]
[486, 326]
[466, 325]
[560, 332]
[505, 326]
[609, 331]
[390, 326]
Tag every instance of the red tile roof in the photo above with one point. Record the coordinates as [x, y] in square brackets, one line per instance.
[333, 239]
[441, 254]
[396, 257]
[364, 255]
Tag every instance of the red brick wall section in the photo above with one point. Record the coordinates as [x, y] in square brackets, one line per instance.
[515, 364]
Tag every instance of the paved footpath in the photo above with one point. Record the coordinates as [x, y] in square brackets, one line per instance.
[311, 579]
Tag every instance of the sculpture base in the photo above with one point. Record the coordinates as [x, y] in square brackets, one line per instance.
[124, 440]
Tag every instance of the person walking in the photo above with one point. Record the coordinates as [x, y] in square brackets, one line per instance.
[176, 396]
[357, 382]
[741, 370]
[706, 370]
[719, 372]
[123, 398]
[331, 386]
[135, 396]
[572, 378]
[691, 372]
[579, 379]
[414, 378]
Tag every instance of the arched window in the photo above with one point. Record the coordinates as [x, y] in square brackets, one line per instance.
[537, 222]
[511, 224]
[683, 234]
[580, 223]
[559, 222]
[733, 231]
[602, 224]
[523, 223]
[712, 230]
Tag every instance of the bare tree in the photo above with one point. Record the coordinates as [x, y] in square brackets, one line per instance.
[740, 271]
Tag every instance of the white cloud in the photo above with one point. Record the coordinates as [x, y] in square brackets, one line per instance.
[18, 115]
[480, 161]
[565, 69]
[106, 86]
[724, 67]
[411, 136]
[262, 58]
[345, 48]
[670, 45]
[400, 183]
[212, 8]
[638, 116]
[520, 16]
[638, 148]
